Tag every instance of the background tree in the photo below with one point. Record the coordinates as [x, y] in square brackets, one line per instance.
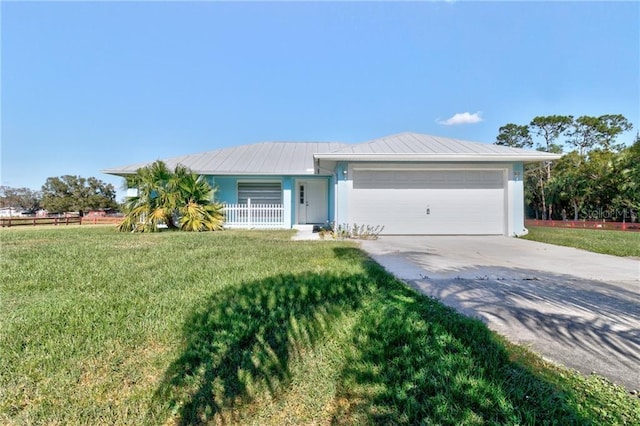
[611, 126]
[74, 193]
[601, 184]
[568, 183]
[515, 136]
[23, 198]
[601, 175]
[533, 176]
[585, 133]
[627, 165]
[598, 132]
[598, 179]
[179, 199]
[550, 128]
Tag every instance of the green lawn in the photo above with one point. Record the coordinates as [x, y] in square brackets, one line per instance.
[100, 327]
[617, 243]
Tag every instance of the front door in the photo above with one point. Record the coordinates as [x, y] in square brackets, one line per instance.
[312, 202]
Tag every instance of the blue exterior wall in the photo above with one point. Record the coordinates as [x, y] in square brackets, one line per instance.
[226, 189]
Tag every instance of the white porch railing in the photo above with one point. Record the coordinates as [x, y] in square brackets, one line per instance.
[265, 216]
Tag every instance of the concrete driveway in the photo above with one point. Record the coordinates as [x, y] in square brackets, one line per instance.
[573, 307]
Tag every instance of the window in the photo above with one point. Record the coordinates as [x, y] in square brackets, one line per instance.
[260, 192]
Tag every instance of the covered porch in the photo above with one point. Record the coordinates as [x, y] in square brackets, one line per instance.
[267, 203]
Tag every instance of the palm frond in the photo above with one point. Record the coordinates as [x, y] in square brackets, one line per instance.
[170, 197]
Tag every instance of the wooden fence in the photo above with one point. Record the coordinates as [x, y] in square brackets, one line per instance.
[587, 224]
[104, 220]
[6, 222]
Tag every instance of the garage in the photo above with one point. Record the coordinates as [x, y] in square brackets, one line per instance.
[429, 201]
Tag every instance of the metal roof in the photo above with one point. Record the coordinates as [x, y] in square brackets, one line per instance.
[297, 158]
[419, 147]
[283, 158]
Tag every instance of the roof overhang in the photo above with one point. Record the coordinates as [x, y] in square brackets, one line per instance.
[534, 157]
[309, 172]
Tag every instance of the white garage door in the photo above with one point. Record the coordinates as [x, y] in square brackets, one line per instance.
[429, 201]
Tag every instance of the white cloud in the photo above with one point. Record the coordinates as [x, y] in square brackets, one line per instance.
[462, 118]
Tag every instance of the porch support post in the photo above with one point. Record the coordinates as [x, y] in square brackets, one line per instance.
[287, 189]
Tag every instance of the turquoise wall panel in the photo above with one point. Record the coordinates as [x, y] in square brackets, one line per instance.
[227, 189]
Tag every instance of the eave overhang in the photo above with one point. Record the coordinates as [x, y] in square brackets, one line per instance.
[124, 173]
[440, 158]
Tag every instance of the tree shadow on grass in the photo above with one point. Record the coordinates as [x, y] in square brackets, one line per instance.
[412, 360]
[245, 336]
[417, 361]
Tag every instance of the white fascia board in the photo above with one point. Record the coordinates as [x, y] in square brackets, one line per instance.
[527, 158]
[246, 173]
[224, 173]
[115, 172]
[270, 174]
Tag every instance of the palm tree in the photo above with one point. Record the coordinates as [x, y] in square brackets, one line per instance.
[178, 199]
[196, 210]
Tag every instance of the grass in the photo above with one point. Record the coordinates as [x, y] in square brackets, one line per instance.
[99, 327]
[617, 243]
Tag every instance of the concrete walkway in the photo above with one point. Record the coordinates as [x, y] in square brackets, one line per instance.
[573, 307]
[304, 233]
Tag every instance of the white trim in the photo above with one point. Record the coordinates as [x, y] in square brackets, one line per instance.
[242, 180]
[248, 216]
[437, 158]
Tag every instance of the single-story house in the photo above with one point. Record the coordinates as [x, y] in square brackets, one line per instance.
[409, 183]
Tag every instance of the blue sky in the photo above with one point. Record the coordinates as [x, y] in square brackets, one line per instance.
[88, 85]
